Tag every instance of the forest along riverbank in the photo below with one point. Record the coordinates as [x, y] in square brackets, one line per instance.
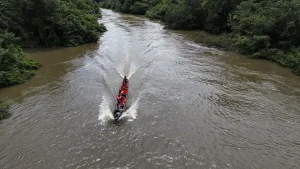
[273, 33]
[41, 24]
[190, 106]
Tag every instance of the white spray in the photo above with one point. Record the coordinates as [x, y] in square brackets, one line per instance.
[131, 113]
[105, 113]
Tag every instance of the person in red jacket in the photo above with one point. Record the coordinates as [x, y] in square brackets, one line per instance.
[118, 98]
[125, 91]
[122, 102]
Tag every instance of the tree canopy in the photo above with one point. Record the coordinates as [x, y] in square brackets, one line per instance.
[15, 68]
[51, 22]
[46, 23]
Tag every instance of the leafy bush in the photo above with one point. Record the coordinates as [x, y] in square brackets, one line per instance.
[15, 69]
[4, 105]
[179, 17]
[139, 8]
[279, 21]
[42, 23]
[158, 12]
[217, 14]
[3, 110]
[51, 22]
[252, 44]
[269, 30]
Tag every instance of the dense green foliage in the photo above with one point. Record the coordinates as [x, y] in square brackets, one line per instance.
[138, 7]
[159, 11]
[211, 15]
[51, 22]
[4, 105]
[45, 23]
[14, 68]
[3, 110]
[268, 29]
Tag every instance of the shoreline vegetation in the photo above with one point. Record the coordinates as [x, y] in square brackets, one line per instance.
[268, 29]
[222, 41]
[43, 23]
[4, 110]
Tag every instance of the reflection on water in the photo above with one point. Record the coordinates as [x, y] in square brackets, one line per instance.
[190, 106]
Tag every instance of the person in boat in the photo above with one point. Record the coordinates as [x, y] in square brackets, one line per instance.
[125, 91]
[118, 97]
[122, 102]
[124, 88]
[123, 98]
[125, 81]
[118, 108]
[122, 94]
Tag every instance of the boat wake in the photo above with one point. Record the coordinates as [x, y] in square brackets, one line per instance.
[127, 70]
[132, 70]
[106, 107]
[131, 113]
[106, 115]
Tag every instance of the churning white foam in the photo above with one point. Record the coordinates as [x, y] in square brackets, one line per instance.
[105, 113]
[126, 68]
[131, 113]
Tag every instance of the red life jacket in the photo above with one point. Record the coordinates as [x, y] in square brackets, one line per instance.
[118, 97]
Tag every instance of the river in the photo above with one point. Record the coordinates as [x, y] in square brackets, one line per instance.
[190, 106]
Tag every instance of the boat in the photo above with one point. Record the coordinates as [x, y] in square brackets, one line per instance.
[120, 105]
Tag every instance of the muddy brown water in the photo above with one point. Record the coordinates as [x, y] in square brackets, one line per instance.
[190, 106]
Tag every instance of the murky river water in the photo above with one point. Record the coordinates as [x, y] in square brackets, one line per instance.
[190, 106]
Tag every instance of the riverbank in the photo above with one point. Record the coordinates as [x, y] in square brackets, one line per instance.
[61, 117]
[290, 59]
[226, 41]
[267, 36]
[221, 41]
[4, 110]
[52, 23]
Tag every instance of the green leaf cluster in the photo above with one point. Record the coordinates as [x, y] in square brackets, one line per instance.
[3, 110]
[51, 22]
[270, 30]
[137, 7]
[14, 68]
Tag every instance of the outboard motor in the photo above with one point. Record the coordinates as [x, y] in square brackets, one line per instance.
[117, 116]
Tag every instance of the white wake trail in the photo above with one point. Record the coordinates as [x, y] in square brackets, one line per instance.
[132, 112]
[132, 70]
[105, 113]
